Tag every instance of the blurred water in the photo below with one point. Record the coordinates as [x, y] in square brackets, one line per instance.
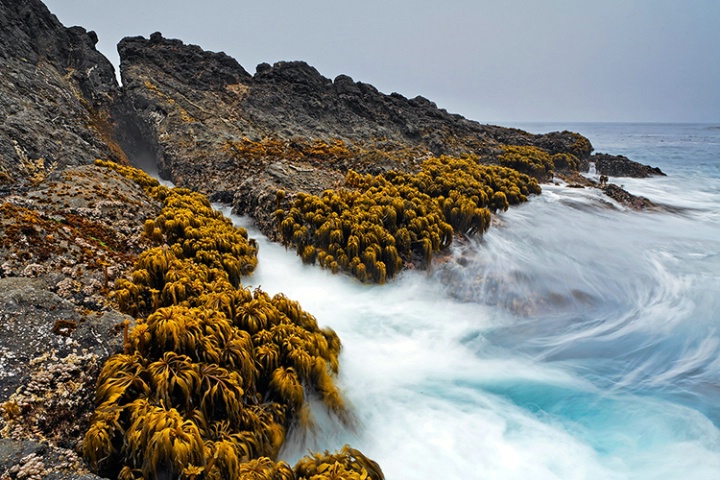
[575, 340]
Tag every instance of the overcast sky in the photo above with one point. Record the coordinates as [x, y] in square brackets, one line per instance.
[492, 61]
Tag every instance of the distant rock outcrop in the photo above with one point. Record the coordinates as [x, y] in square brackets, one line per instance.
[621, 166]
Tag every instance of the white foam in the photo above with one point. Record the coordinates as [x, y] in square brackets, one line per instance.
[447, 388]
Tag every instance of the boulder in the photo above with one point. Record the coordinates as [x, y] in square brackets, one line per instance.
[621, 166]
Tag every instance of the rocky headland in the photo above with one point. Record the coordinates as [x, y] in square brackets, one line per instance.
[284, 145]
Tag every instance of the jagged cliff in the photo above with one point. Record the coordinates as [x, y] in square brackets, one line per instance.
[57, 96]
[70, 229]
[213, 127]
[204, 102]
[203, 120]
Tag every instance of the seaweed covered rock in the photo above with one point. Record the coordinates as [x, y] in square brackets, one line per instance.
[529, 160]
[63, 245]
[377, 224]
[213, 374]
[539, 163]
[347, 464]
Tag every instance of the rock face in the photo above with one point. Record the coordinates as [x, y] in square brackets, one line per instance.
[57, 96]
[214, 127]
[621, 166]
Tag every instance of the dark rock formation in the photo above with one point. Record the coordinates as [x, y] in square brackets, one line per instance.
[215, 128]
[57, 94]
[621, 166]
[169, 83]
[624, 197]
[36, 320]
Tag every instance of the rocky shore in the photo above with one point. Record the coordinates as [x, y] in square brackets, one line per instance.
[69, 229]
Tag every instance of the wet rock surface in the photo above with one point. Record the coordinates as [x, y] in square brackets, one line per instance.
[621, 166]
[624, 197]
[52, 352]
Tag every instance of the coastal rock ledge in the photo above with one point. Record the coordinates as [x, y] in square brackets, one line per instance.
[621, 166]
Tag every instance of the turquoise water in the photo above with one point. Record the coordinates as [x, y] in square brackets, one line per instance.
[576, 340]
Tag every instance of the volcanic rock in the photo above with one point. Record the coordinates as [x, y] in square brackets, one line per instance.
[621, 166]
[56, 98]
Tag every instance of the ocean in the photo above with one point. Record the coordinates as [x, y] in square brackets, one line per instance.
[577, 339]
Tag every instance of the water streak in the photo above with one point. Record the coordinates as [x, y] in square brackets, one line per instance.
[577, 339]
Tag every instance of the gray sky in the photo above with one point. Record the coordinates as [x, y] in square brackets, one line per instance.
[492, 61]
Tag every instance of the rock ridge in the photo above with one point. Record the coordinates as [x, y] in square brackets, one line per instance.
[58, 96]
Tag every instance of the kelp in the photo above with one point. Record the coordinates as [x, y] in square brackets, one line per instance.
[377, 224]
[530, 160]
[214, 374]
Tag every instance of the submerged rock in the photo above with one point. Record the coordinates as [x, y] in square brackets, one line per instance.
[624, 197]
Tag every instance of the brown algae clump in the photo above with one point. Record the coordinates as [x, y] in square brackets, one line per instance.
[376, 224]
[540, 164]
[214, 374]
